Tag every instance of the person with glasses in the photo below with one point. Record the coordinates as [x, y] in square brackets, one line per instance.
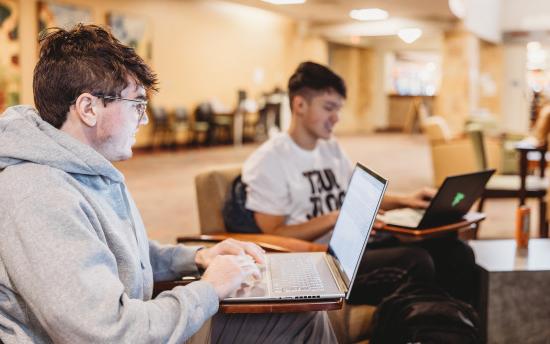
[76, 265]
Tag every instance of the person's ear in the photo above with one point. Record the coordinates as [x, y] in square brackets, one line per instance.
[86, 109]
[299, 104]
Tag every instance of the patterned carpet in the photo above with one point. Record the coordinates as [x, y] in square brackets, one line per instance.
[162, 182]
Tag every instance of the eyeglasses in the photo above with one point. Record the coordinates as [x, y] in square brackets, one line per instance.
[140, 104]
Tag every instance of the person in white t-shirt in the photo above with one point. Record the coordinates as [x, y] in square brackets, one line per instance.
[297, 180]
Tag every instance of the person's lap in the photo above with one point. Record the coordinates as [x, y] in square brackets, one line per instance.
[384, 269]
[389, 263]
[454, 263]
[306, 327]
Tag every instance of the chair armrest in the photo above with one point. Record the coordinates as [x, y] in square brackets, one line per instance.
[268, 242]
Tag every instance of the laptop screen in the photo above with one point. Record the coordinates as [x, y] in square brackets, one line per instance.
[355, 220]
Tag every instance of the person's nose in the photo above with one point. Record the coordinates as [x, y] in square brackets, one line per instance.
[335, 117]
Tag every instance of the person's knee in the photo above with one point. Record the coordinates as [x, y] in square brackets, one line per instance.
[459, 254]
[422, 269]
[466, 252]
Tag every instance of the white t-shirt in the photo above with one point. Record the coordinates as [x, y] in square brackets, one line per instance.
[286, 180]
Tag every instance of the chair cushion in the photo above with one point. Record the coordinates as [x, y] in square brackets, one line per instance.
[513, 182]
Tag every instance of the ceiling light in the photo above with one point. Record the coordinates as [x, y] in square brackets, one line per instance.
[409, 35]
[458, 8]
[369, 14]
[285, 2]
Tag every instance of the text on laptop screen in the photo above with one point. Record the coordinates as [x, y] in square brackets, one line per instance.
[356, 219]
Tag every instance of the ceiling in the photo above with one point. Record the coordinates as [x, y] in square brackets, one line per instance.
[336, 11]
[330, 19]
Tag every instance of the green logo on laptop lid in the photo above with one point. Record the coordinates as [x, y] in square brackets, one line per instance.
[458, 198]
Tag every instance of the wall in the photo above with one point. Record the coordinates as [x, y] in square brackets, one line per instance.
[491, 78]
[201, 49]
[458, 94]
[515, 99]
[356, 66]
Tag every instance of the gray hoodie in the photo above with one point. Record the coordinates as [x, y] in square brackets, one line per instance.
[75, 262]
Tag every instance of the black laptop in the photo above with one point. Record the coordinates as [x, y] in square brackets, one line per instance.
[453, 200]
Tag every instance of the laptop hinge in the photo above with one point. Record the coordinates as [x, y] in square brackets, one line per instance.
[336, 274]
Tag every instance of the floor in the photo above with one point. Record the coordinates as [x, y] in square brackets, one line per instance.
[162, 182]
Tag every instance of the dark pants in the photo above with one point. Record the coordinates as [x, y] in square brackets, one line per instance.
[308, 327]
[387, 264]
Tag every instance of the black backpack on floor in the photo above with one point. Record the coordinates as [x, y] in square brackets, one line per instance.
[417, 313]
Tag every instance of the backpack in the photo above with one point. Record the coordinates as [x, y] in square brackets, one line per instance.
[236, 217]
[419, 313]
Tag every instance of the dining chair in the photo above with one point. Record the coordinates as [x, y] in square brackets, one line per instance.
[520, 186]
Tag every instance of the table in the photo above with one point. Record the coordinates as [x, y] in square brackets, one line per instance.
[514, 300]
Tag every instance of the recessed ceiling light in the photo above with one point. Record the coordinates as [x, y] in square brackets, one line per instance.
[369, 14]
[409, 35]
[285, 2]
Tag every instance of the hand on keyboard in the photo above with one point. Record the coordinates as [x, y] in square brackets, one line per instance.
[230, 247]
[226, 273]
[420, 199]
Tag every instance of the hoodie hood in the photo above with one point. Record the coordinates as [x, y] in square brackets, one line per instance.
[25, 137]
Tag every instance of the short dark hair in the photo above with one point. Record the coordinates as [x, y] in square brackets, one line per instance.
[86, 58]
[311, 76]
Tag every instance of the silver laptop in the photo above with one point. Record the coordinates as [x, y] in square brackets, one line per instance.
[323, 275]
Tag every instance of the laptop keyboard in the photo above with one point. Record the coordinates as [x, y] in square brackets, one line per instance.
[294, 273]
[403, 217]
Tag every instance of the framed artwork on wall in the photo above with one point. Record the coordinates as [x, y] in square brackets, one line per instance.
[134, 31]
[10, 71]
[52, 14]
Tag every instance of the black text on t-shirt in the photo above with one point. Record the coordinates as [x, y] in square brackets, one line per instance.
[326, 193]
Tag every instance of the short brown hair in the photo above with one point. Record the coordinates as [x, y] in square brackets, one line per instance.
[311, 76]
[86, 58]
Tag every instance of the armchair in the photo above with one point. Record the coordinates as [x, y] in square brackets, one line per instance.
[450, 155]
